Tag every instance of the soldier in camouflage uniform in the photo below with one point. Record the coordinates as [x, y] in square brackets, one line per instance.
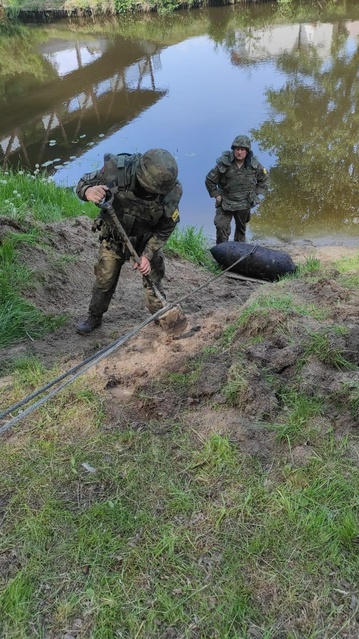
[236, 181]
[146, 198]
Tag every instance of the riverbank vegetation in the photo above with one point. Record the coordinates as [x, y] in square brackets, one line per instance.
[190, 489]
[47, 9]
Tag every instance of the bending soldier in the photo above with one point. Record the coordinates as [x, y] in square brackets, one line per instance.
[236, 182]
[146, 198]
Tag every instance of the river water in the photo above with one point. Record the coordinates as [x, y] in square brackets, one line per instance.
[190, 82]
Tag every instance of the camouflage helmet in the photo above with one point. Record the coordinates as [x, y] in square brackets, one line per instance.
[157, 171]
[242, 140]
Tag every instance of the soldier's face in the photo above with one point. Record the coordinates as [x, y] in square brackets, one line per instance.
[240, 152]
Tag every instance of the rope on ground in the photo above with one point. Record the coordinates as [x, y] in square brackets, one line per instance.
[86, 364]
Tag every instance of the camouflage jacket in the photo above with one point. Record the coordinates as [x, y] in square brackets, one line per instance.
[239, 187]
[148, 221]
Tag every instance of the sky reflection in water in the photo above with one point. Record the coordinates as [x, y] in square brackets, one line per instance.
[283, 85]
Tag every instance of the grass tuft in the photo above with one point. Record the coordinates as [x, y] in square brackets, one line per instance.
[348, 264]
[34, 196]
[298, 413]
[311, 265]
[348, 396]
[192, 244]
[323, 344]
[348, 267]
[235, 390]
[269, 312]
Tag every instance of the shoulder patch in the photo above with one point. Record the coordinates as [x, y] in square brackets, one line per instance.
[265, 171]
[175, 215]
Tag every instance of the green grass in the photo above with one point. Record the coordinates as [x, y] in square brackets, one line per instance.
[348, 264]
[278, 301]
[270, 311]
[35, 197]
[348, 268]
[297, 415]
[170, 532]
[310, 265]
[192, 244]
[323, 345]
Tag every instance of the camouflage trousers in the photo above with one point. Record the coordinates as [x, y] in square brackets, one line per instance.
[107, 271]
[222, 222]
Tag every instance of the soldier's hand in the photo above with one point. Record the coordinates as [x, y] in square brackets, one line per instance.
[144, 267]
[96, 193]
[218, 200]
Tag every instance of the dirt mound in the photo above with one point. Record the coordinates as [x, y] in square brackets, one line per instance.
[236, 385]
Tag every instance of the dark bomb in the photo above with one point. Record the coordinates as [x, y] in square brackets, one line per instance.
[258, 262]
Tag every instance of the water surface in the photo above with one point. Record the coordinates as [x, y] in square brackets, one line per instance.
[190, 83]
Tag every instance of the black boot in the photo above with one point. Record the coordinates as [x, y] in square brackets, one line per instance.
[88, 325]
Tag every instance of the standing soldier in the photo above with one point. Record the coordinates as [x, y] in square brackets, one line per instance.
[146, 197]
[236, 181]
